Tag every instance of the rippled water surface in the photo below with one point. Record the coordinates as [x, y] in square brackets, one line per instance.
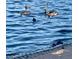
[24, 36]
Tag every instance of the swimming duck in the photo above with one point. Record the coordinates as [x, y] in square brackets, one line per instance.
[34, 20]
[50, 12]
[25, 12]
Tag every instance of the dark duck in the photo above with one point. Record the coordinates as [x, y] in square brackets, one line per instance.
[34, 20]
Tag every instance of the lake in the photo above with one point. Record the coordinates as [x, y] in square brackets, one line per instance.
[25, 36]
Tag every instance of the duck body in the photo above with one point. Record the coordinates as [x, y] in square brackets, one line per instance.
[52, 13]
[25, 12]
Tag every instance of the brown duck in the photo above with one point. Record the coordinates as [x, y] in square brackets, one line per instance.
[25, 12]
[50, 12]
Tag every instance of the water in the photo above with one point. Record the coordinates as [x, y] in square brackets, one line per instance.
[24, 36]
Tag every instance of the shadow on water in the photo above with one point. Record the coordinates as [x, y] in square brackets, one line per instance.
[64, 31]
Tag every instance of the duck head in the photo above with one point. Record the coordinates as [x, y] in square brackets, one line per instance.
[27, 6]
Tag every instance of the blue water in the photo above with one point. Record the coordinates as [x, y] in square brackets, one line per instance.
[24, 36]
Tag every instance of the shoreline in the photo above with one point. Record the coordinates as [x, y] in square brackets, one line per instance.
[49, 53]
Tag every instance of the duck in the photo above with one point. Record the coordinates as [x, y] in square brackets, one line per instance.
[50, 12]
[25, 12]
[34, 20]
